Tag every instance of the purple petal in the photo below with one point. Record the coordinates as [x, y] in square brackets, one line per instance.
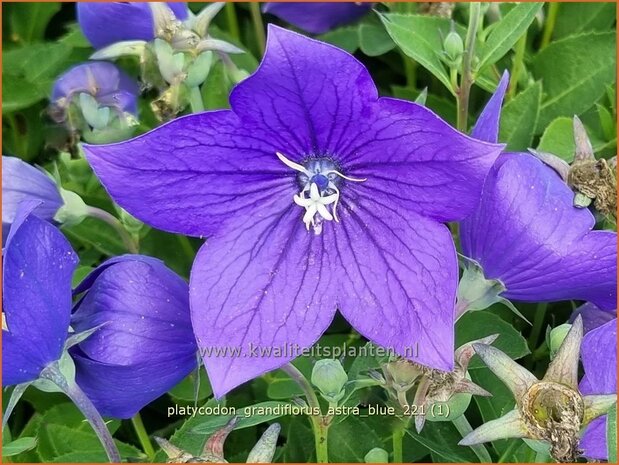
[421, 162]
[318, 17]
[21, 182]
[302, 106]
[193, 174]
[101, 79]
[106, 23]
[145, 344]
[592, 316]
[487, 125]
[38, 263]
[527, 234]
[397, 279]
[271, 289]
[599, 359]
[593, 439]
[144, 309]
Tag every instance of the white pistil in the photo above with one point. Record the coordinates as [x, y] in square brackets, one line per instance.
[317, 201]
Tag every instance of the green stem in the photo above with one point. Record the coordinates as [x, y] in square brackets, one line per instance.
[233, 22]
[466, 81]
[110, 219]
[195, 100]
[549, 27]
[256, 18]
[410, 70]
[517, 65]
[187, 247]
[464, 427]
[538, 323]
[72, 390]
[320, 423]
[397, 439]
[138, 426]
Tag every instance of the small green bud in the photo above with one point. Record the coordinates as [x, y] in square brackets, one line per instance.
[73, 211]
[556, 337]
[450, 410]
[330, 378]
[97, 117]
[377, 455]
[454, 47]
[402, 374]
[170, 63]
[198, 71]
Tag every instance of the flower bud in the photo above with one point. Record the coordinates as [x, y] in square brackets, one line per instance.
[144, 345]
[556, 337]
[330, 378]
[453, 47]
[73, 210]
[402, 374]
[377, 455]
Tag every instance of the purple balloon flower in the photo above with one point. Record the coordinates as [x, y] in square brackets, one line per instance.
[38, 263]
[599, 359]
[106, 23]
[526, 233]
[315, 195]
[21, 182]
[102, 80]
[319, 17]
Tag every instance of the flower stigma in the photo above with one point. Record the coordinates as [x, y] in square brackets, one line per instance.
[318, 180]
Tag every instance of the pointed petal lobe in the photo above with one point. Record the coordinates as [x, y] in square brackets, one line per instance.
[487, 126]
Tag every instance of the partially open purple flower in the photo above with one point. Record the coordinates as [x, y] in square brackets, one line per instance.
[106, 23]
[38, 263]
[599, 359]
[318, 17]
[531, 243]
[21, 182]
[145, 344]
[315, 195]
[527, 235]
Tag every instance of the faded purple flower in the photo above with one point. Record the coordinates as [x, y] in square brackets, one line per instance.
[315, 195]
[145, 345]
[318, 17]
[38, 263]
[21, 182]
[599, 359]
[106, 23]
[103, 81]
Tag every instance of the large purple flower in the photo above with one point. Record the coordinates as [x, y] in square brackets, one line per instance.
[145, 344]
[106, 23]
[315, 195]
[317, 17]
[21, 182]
[599, 359]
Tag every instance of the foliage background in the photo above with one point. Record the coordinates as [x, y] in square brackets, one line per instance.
[563, 61]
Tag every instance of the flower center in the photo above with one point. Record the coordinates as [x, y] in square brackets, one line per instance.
[319, 194]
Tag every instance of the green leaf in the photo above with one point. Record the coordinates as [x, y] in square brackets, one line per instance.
[575, 72]
[251, 415]
[558, 139]
[351, 439]
[476, 325]
[507, 32]
[18, 94]
[577, 17]
[373, 39]
[97, 234]
[519, 118]
[28, 21]
[18, 446]
[184, 392]
[420, 38]
[611, 434]
[346, 38]
[442, 439]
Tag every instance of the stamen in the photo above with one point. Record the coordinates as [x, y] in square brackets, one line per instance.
[318, 191]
